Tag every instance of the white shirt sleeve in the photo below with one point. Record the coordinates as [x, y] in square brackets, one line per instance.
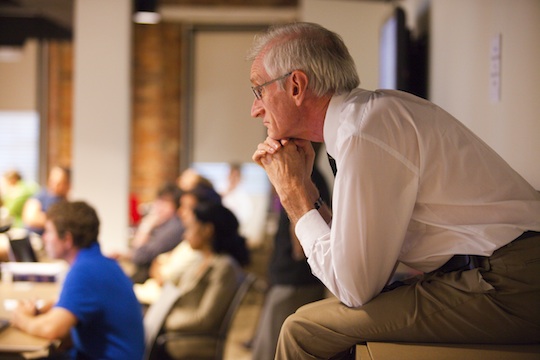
[374, 196]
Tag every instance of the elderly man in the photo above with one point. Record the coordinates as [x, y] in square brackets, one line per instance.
[97, 305]
[413, 185]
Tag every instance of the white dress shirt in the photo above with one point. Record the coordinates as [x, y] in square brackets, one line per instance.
[413, 185]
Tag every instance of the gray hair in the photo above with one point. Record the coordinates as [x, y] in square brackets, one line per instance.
[318, 52]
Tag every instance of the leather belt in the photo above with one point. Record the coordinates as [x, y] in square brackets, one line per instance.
[461, 263]
[469, 262]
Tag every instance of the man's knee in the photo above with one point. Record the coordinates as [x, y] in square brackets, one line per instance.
[289, 325]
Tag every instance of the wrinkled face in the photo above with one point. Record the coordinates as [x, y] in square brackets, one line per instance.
[55, 247]
[275, 108]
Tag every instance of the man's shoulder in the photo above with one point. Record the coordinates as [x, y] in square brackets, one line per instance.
[91, 261]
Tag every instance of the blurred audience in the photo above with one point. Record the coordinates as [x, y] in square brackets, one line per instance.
[160, 231]
[207, 289]
[171, 266]
[14, 193]
[57, 189]
[190, 178]
[97, 305]
[237, 199]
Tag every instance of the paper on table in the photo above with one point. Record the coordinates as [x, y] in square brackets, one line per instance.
[10, 304]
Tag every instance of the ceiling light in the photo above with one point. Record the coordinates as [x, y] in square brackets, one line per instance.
[146, 17]
[11, 53]
[146, 12]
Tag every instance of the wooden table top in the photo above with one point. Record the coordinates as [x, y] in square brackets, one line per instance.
[13, 340]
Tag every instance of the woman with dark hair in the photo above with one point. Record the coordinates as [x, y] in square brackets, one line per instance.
[206, 289]
[226, 239]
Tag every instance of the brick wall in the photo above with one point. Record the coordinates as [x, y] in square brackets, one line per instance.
[156, 107]
[156, 117]
[57, 133]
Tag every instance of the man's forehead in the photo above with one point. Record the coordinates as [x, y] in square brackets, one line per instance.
[258, 71]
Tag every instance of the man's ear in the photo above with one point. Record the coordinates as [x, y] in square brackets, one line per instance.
[68, 240]
[299, 83]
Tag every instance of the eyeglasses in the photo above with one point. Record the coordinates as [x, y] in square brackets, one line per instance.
[257, 90]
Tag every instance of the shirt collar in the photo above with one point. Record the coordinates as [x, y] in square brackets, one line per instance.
[331, 122]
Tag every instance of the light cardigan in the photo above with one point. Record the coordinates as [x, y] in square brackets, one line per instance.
[204, 300]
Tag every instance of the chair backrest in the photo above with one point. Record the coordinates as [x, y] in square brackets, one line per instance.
[243, 289]
[220, 338]
[157, 314]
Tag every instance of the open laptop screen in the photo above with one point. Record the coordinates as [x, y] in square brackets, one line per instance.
[20, 247]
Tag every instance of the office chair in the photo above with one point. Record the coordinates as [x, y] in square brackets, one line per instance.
[157, 314]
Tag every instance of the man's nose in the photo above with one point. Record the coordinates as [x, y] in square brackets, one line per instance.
[257, 109]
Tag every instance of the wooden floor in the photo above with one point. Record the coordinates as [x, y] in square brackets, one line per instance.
[243, 326]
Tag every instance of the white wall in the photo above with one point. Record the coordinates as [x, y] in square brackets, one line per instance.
[18, 80]
[461, 31]
[358, 23]
[223, 130]
[102, 114]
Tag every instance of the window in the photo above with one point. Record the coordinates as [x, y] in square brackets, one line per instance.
[19, 143]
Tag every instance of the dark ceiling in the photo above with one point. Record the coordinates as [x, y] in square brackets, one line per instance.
[53, 19]
[46, 19]
[41, 19]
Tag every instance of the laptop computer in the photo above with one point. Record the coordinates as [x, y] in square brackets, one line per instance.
[21, 249]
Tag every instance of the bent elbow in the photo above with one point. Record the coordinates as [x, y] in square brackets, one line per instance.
[354, 300]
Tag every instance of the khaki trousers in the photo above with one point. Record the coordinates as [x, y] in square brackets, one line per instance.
[280, 302]
[499, 302]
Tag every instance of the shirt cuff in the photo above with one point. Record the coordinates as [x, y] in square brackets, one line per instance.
[310, 227]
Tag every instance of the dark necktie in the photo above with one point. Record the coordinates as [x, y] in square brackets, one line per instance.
[332, 164]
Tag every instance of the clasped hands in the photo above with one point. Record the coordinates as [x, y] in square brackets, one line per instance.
[289, 164]
[28, 308]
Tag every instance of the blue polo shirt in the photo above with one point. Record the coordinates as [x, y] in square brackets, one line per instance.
[109, 317]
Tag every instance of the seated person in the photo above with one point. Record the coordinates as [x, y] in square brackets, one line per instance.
[35, 208]
[97, 304]
[190, 178]
[160, 231]
[237, 199]
[206, 289]
[15, 192]
[172, 265]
